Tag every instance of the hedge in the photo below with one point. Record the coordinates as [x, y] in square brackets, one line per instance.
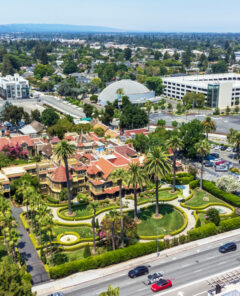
[211, 188]
[181, 178]
[51, 199]
[177, 231]
[85, 217]
[24, 222]
[153, 237]
[71, 224]
[66, 233]
[230, 224]
[202, 231]
[77, 247]
[106, 259]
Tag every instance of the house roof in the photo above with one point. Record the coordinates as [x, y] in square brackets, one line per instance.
[125, 150]
[106, 166]
[55, 140]
[37, 126]
[59, 175]
[47, 150]
[93, 170]
[19, 140]
[136, 131]
[27, 130]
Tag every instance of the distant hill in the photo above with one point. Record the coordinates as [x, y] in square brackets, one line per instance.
[49, 28]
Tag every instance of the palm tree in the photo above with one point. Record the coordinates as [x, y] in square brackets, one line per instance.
[48, 226]
[136, 176]
[12, 238]
[113, 215]
[119, 176]
[202, 148]
[234, 139]
[175, 143]
[94, 206]
[148, 106]
[42, 212]
[209, 125]
[157, 165]
[63, 150]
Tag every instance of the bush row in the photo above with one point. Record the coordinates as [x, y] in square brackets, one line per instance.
[177, 231]
[109, 258]
[77, 247]
[230, 224]
[71, 224]
[181, 178]
[202, 231]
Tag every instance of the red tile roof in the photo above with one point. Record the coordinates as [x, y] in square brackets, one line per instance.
[55, 140]
[106, 166]
[111, 190]
[59, 175]
[96, 182]
[136, 131]
[93, 170]
[125, 150]
[19, 140]
[3, 143]
[119, 160]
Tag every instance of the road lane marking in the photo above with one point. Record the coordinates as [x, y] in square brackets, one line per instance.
[200, 293]
[186, 265]
[221, 262]
[141, 289]
[195, 271]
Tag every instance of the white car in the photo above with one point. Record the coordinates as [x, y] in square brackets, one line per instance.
[229, 149]
[217, 148]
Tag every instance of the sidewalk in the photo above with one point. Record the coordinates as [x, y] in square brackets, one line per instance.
[82, 277]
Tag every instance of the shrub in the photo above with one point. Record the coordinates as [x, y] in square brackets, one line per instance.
[87, 251]
[198, 223]
[166, 243]
[230, 224]
[52, 200]
[182, 239]
[194, 184]
[175, 242]
[202, 231]
[109, 258]
[213, 216]
[59, 258]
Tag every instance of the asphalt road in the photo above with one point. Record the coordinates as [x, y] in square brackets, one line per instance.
[223, 123]
[182, 268]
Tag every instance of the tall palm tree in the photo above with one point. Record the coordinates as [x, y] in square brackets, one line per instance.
[12, 240]
[234, 138]
[113, 215]
[175, 143]
[94, 206]
[148, 106]
[209, 125]
[202, 148]
[136, 176]
[119, 176]
[63, 150]
[157, 165]
[42, 212]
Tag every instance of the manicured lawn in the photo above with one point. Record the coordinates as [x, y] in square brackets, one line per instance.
[197, 199]
[3, 250]
[83, 231]
[75, 255]
[162, 195]
[170, 221]
[85, 210]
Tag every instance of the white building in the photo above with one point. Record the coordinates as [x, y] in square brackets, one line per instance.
[220, 90]
[14, 87]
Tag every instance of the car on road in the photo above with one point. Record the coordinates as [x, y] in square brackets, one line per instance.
[56, 294]
[137, 271]
[153, 278]
[216, 147]
[223, 148]
[208, 164]
[229, 149]
[162, 284]
[228, 247]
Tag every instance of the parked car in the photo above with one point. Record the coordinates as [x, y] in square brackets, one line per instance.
[229, 149]
[217, 148]
[223, 148]
[208, 164]
[153, 278]
[212, 146]
[214, 154]
[161, 285]
[139, 270]
[228, 247]
[221, 168]
[220, 162]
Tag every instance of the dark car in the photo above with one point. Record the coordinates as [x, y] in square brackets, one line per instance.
[153, 278]
[209, 164]
[223, 148]
[216, 155]
[235, 149]
[228, 247]
[139, 270]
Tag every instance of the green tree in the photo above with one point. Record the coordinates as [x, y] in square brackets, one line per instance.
[7, 68]
[13, 114]
[161, 122]
[220, 67]
[209, 125]
[41, 70]
[213, 216]
[36, 115]
[111, 292]
[175, 143]
[99, 132]
[136, 177]
[88, 110]
[169, 106]
[174, 123]
[49, 117]
[26, 118]
[155, 83]
[12, 239]
[63, 150]
[228, 110]
[234, 138]
[87, 251]
[119, 176]
[236, 109]
[187, 57]
[141, 143]
[108, 114]
[14, 280]
[157, 165]
[203, 148]
[94, 207]
[70, 67]
[127, 53]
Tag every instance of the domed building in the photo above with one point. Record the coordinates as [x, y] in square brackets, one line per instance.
[137, 92]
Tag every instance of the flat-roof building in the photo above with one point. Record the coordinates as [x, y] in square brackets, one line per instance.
[220, 90]
[14, 87]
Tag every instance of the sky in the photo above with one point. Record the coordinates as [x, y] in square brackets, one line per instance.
[140, 15]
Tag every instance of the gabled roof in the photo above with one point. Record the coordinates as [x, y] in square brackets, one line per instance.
[136, 132]
[93, 170]
[125, 150]
[59, 175]
[106, 166]
[37, 126]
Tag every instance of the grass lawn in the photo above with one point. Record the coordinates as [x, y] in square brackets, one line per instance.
[85, 210]
[170, 221]
[75, 255]
[83, 231]
[3, 250]
[162, 195]
[197, 199]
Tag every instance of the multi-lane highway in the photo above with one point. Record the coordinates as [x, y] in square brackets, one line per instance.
[183, 269]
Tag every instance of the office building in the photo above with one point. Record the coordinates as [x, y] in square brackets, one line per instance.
[14, 87]
[220, 90]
